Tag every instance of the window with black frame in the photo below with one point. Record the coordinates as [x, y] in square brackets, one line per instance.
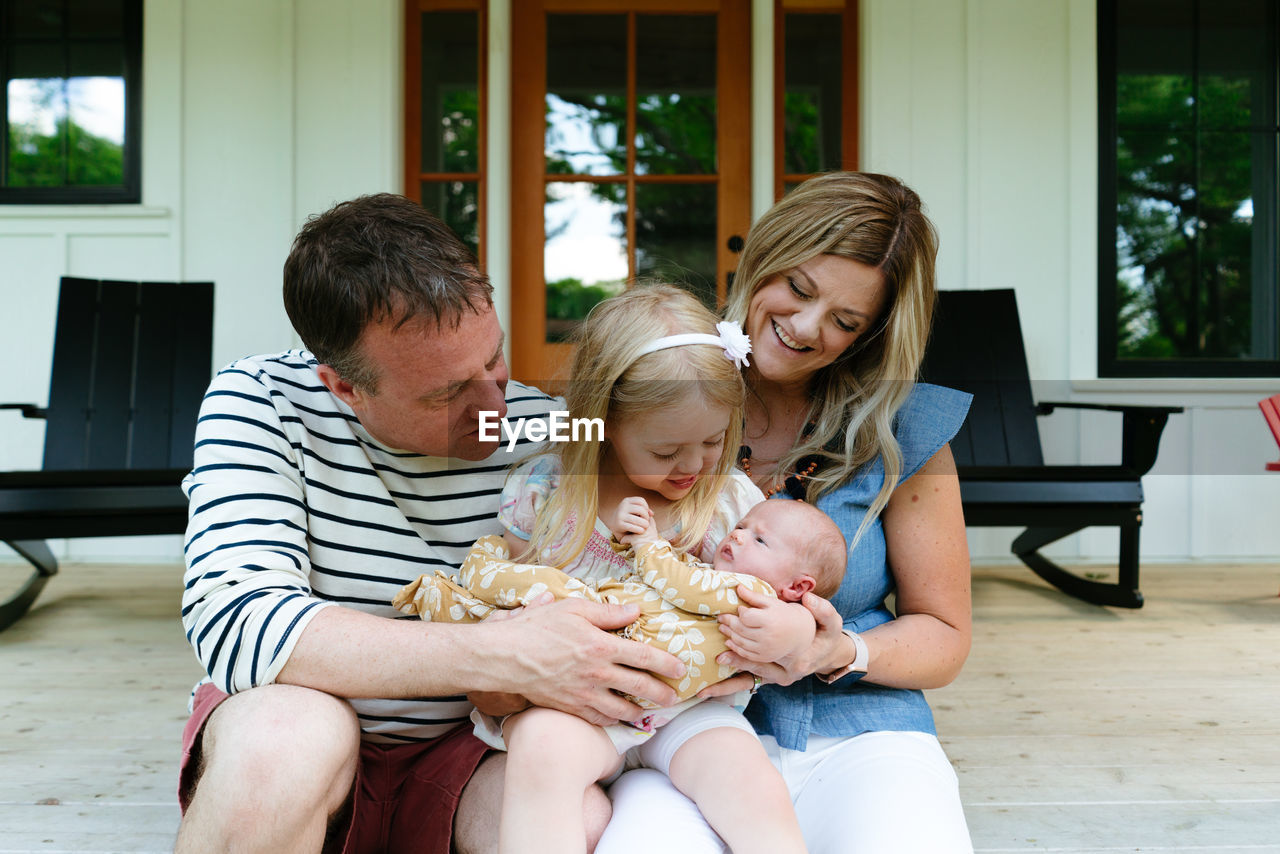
[1189, 283]
[70, 101]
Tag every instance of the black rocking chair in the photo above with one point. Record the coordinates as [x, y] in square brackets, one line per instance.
[977, 347]
[131, 362]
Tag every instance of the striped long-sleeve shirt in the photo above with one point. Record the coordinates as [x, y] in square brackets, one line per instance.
[294, 507]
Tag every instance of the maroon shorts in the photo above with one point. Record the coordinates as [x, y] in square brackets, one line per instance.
[405, 795]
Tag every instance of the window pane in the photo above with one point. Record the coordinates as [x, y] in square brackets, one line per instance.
[812, 100]
[66, 129]
[35, 18]
[95, 116]
[585, 259]
[95, 18]
[676, 236]
[458, 204]
[450, 92]
[586, 94]
[1155, 243]
[675, 94]
[1196, 184]
[1235, 43]
[1222, 322]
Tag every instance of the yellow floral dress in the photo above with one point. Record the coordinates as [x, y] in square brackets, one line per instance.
[679, 599]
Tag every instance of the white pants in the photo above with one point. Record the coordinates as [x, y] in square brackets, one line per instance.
[876, 793]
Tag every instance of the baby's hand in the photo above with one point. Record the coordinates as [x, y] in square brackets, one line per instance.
[632, 522]
[767, 630]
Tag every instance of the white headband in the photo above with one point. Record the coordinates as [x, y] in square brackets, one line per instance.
[735, 342]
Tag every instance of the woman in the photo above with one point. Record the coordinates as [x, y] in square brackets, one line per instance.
[836, 289]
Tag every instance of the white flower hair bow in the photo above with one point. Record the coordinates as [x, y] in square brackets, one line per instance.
[735, 342]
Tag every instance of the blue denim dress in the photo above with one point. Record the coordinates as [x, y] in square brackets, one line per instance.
[928, 419]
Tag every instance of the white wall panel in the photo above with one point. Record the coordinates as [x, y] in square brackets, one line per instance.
[28, 263]
[348, 104]
[238, 165]
[140, 257]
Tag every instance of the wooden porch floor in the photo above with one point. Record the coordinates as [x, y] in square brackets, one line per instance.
[1073, 728]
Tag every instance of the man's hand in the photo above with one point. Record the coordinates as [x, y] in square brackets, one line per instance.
[562, 656]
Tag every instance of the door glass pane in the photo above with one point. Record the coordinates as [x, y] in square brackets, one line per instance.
[676, 236]
[675, 94]
[450, 92]
[812, 106]
[585, 259]
[586, 94]
[458, 204]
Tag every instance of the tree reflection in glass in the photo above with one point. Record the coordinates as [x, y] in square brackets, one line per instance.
[585, 258]
[66, 132]
[1192, 145]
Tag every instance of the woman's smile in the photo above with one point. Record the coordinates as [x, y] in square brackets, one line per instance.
[787, 341]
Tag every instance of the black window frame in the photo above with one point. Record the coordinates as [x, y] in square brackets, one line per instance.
[130, 190]
[1109, 363]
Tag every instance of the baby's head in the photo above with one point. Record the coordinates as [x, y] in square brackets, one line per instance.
[790, 544]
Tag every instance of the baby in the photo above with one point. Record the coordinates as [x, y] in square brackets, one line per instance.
[779, 548]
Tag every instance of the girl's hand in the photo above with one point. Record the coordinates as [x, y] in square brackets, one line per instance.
[632, 521]
[765, 630]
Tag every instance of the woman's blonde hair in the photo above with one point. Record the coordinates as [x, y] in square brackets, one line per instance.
[878, 221]
[611, 380]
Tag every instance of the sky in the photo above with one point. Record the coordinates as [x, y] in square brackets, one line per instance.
[94, 103]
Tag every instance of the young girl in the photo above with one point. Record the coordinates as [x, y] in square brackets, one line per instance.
[666, 381]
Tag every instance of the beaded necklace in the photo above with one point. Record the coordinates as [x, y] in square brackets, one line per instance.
[792, 484]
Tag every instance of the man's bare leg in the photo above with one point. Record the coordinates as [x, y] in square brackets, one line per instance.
[277, 762]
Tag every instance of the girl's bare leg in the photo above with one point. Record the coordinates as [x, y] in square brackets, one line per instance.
[553, 758]
[742, 796]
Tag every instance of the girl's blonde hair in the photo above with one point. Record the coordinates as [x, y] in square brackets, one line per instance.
[612, 381]
[878, 221]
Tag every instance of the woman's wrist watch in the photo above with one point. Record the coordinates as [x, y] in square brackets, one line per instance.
[861, 658]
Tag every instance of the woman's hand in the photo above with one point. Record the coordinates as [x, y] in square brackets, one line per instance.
[782, 642]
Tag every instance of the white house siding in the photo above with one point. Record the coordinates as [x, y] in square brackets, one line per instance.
[258, 113]
[988, 108]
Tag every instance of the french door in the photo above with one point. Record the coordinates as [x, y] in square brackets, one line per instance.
[630, 159]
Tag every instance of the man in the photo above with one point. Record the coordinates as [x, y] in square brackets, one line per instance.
[326, 478]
